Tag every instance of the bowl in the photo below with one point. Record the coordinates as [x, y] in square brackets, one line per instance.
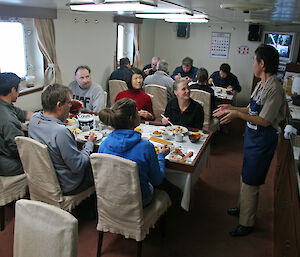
[194, 138]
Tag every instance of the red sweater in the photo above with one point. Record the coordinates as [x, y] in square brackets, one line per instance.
[143, 101]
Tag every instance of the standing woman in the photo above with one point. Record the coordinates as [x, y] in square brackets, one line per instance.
[263, 114]
[128, 144]
[183, 110]
[134, 81]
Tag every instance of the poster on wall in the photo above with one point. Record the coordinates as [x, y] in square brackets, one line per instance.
[220, 44]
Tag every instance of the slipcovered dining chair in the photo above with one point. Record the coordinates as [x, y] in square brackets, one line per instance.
[105, 99]
[115, 87]
[119, 200]
[210, 123]
[44, 230]
[11, 188]
[159, 100]
[41, 176]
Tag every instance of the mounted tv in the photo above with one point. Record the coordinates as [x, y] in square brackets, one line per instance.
[283, 42]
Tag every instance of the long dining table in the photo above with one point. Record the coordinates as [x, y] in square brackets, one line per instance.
[182, 174]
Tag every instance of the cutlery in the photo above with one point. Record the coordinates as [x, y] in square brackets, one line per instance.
[168, 120]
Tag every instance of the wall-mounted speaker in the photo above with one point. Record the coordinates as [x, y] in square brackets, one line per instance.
[183, 30]
[254, 33]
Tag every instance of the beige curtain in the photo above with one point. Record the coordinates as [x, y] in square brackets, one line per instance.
[136, 41]
[46, 43]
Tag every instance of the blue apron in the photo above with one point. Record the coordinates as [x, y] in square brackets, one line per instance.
[259, 147]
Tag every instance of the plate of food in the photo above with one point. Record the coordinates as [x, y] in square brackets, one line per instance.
[178, 154]
[75, 131]
[70, 121]
[157, 133]
[85, 135]
[176, 129]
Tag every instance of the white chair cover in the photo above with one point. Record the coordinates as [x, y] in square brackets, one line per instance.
[12, 188]
[115, 87]
[41, 176]
[44, 230]
[210, 124]
[119, 200]
[159, 100]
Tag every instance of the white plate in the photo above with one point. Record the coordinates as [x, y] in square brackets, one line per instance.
[182, 129]
[158, 133]
[83, 136]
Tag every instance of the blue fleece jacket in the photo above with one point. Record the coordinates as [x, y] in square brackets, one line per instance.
[129, 145]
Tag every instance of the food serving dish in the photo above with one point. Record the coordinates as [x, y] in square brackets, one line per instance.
[85, 135]
[157, 133]
[176, 129]
[86, 119]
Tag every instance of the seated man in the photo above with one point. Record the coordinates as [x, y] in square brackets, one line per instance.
[71, 165]
[202, 77]
[119, 74]
[151, 68]
[186, 70]
[88, 92]
[10, 125]
[161, 78]
[224, 78]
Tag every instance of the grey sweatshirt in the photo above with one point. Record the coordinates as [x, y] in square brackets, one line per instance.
[68, 161]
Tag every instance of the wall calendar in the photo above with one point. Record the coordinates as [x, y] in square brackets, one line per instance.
[220, 44]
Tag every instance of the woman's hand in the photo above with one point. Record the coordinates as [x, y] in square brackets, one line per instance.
[223, 109]
[165, 120]
[165, 149]
[145, 114]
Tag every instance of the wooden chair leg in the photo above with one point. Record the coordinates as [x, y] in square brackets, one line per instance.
[100, 239]
[139, 248]
[2, 218]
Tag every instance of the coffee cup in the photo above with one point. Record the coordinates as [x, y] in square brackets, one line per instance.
[178, 137]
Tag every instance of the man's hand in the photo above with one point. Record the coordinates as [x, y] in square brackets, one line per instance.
[92, 137]
[147, 71]
[165, 149]
[211, 81]
[178, 76]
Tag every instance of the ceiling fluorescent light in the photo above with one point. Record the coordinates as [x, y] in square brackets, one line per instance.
[113, 7]
[203, 20]
[79, 2]
[169, 16]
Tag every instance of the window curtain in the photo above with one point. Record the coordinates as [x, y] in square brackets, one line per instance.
[136, 41]
[46, 43]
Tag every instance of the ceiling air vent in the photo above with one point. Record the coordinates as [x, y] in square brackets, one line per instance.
[246, 7]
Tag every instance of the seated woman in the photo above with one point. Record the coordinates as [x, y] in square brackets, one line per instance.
[183, 110]
[202, 78]
[134, 81]
[127, 143]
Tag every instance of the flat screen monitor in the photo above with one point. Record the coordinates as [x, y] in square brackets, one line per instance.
[283, 42]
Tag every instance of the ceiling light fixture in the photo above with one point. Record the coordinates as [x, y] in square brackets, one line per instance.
[112, 5]
[182, 16]
[191, 20]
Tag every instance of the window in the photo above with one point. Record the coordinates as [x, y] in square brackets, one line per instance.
[125, 36]
[12, 48]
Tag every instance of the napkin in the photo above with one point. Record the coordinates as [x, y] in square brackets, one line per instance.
[289, 130]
